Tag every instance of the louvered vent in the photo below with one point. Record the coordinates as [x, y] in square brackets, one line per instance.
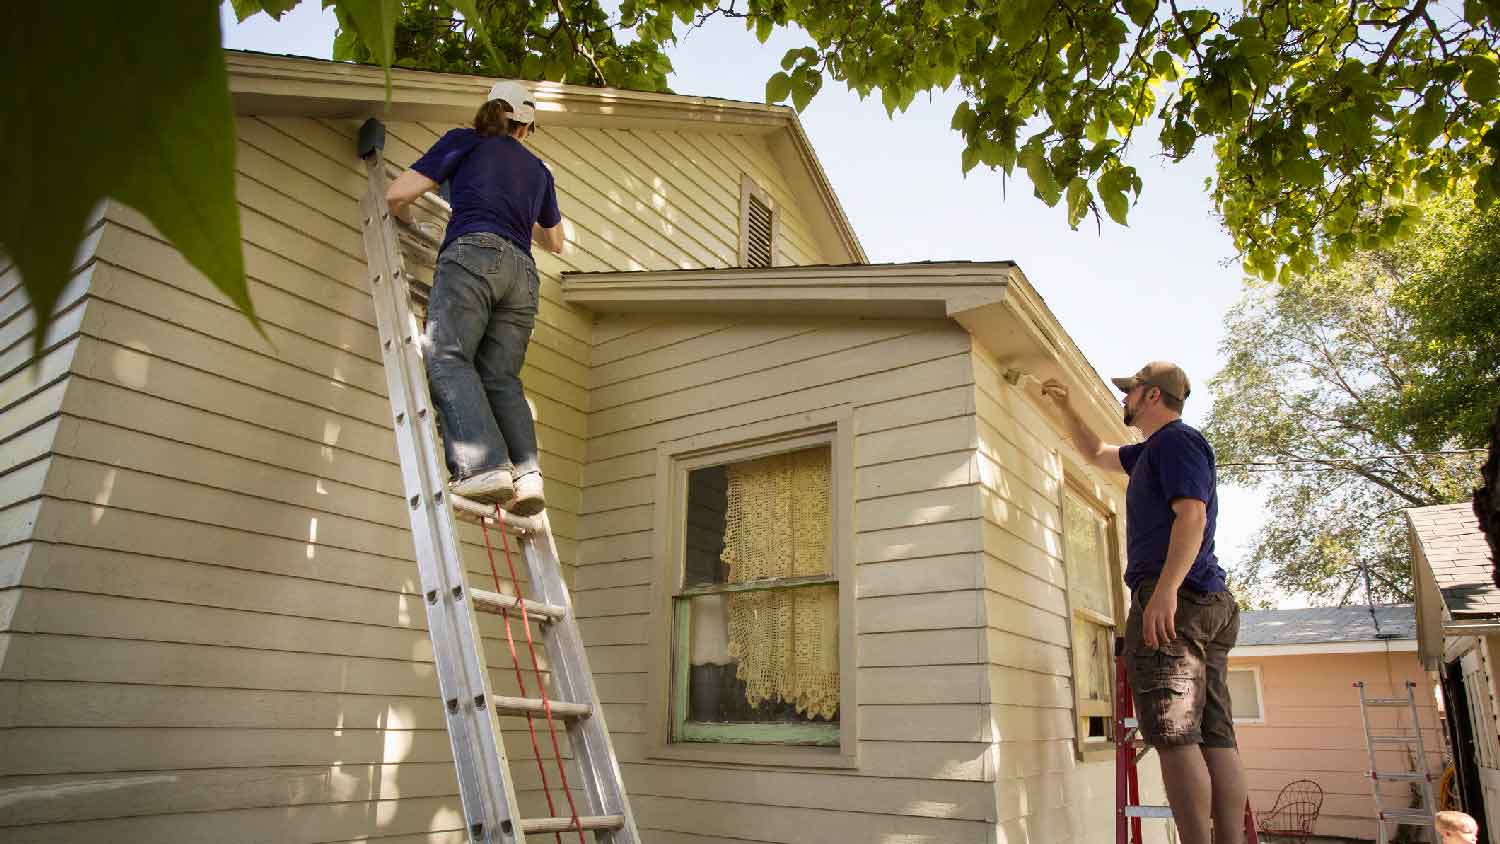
[758, 229]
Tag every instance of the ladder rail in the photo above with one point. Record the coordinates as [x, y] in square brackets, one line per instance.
[1404, 815]
[588, 737]
[486, 786]
[485, 789]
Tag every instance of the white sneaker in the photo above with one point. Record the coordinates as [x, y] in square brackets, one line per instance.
[492, 487]
[529, 500]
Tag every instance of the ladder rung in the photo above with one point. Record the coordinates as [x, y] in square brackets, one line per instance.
[470, 510]
[1401, 776]
[534, 705]
[1387, 701]
[1161, 812]
[1393, 739]
[1411, 816]
[494, 602]
[532, 826]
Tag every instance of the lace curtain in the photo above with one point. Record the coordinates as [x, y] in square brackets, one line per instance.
[786, 640]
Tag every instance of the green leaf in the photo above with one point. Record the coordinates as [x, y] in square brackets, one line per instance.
[1112, 193]
[778, 88]
[345, 45]
[244, 9]
[964, 118]
[763, 27]
[970, 158]
[470, 10]
[1140, 11]
[805, 84]
[144, 119]
[375, 21]
[1483, 81]
[1078, 201]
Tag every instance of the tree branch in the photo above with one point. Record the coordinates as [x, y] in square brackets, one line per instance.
[562, 17]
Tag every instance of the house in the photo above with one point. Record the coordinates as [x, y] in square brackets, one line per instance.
[1297, 712]
[1458, 636]
[212, 628]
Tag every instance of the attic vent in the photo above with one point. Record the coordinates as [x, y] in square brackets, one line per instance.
[759, 222]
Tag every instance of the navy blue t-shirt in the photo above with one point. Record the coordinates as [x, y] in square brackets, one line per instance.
[498, 186]
[1175, 462]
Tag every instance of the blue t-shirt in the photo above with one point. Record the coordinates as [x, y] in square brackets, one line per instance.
[1175, 462]
[497, 185]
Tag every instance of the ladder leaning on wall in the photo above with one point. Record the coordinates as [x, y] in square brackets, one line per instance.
[485, 784]
[1389, 819]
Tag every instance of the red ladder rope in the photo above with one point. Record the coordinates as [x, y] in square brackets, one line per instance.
[536, 666]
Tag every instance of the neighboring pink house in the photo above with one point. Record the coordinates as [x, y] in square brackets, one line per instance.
[1297, 711]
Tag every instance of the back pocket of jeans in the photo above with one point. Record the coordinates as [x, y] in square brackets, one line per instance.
[482, 261]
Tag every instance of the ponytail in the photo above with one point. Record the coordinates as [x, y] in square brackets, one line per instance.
[493, 119]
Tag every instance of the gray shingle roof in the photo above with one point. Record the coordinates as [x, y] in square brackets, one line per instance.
[1325, 625]
[1449, 538]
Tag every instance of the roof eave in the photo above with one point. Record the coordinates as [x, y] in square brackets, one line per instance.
[264, 84]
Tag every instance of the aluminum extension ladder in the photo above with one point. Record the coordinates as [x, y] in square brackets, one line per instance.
[1387, 820]
[1130, 749]
[472, 708]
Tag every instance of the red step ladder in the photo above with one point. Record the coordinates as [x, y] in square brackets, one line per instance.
[1129, 750]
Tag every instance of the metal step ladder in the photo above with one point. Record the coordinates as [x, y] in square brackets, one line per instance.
[1387, 820]
[473, 710]
[1130, 749]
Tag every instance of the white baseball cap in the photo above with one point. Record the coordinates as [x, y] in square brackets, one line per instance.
[523, 109]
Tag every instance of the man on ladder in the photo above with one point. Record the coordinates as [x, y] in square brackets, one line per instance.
[1183, 621]
[485, 294]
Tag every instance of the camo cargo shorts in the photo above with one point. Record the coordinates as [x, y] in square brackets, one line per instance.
[1181, 690]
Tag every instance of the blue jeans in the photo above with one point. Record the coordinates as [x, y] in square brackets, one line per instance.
[479, 320]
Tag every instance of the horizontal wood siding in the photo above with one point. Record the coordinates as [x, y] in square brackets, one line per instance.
[1312, 731]
[33, 388]
[924, 767]
[1045, 794]
[210, 621]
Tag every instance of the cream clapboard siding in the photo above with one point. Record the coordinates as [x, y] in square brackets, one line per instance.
[31, 396]
[1044, 794]
[220, 635]
[924, 765]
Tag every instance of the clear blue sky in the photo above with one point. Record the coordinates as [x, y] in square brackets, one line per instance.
[1157, 289]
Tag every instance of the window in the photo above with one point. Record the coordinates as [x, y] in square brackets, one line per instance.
[756, 630]
[760, 223]
[1244, 695]
[1089, 552]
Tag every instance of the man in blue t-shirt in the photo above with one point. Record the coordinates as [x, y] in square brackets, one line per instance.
[486, 293]
[1183, 621]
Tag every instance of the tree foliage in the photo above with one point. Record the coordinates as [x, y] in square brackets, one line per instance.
[561, 40]
[1329, 119]
[1453, 297]
[88, 112]
[1315, 403]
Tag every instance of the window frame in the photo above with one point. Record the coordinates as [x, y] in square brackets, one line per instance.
[1076, 482]
[670, 735]
[748, 189]
[1260, 695]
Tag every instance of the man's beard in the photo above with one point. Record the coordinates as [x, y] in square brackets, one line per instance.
[1129, 417]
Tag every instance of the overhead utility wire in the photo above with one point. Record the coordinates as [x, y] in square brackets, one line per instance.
[1295, 461]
